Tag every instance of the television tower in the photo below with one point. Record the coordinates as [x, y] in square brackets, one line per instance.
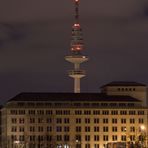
[77, 46]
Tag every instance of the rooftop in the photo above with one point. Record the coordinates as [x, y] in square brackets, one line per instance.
[94, 97]
[124, 83]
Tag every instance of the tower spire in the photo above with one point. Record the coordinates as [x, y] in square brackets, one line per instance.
[77, 11]
[76, 46]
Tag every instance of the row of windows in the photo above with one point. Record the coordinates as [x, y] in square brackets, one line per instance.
[88, 104]
[78, 138]
[77, 129]
[77, 120]
[126, 89]
[77, 112]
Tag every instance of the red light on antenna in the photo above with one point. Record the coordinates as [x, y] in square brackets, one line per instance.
[76, 25]
[76, 0]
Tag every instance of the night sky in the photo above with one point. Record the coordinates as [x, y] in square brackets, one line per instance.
[35, 36]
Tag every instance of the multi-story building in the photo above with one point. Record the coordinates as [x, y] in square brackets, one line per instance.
[76, 120]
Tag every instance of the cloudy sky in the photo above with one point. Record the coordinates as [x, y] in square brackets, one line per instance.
[35, 37]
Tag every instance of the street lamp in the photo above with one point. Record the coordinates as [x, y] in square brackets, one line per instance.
[143, 135]
[17, 142]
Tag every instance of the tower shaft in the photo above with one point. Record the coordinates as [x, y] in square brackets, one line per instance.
[76, 85]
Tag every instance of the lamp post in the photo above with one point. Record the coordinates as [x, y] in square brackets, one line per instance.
[17, 142]
[143, 136]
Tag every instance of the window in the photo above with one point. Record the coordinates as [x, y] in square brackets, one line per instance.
[105, 120]
[31, 112]
[13, 120]
[21, 112]
[49, 138]
[114, 128]
[87, 128]
[96, 112]
[77, 104]
[66, 112]
[49, 129]
[86, 104]
[59, 137]
[96, 128]
[21, 138]
[66, 128]
[59, 120]
[123, 120]
[87, 120]
[114, 138]
[40, 138]
[32, 129]
[21, 129]
[13, 112]
[141, 112]
[132, 137]
[123, 137]
[48, 104]
[32, 138]
[59, 129]
[114, 112]
[40, 112]
[66, 120]
[96, 137]
[21, 120]
[32, 120]
[114, 120]
[87, 145]
[78, 112]
[40, 120]
[132, 112]
[104, 104]
[105, 112]
[95, 104]
[105, 137]
[58, 112]
[132, 120]
[66, 138]
[141, 120]
[13, 129]
[40, 129]
[123, 129]
[49, 112]
[123, 112]
[48, 120]
[21, 104]
[131, 104]
[78, 137]
[13, 137]
[96, 145]
[96, 120]
[122, 104]
[87, 112]
[78, 128]
[105, 129]
[87, 137]
[78, 120]
[132, 129]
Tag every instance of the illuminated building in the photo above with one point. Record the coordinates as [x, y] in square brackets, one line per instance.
[76, 57]
[81, 120]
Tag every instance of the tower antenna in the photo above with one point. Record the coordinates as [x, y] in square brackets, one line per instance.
[76, 46]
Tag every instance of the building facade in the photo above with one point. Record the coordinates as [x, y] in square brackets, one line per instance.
[73, 120]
